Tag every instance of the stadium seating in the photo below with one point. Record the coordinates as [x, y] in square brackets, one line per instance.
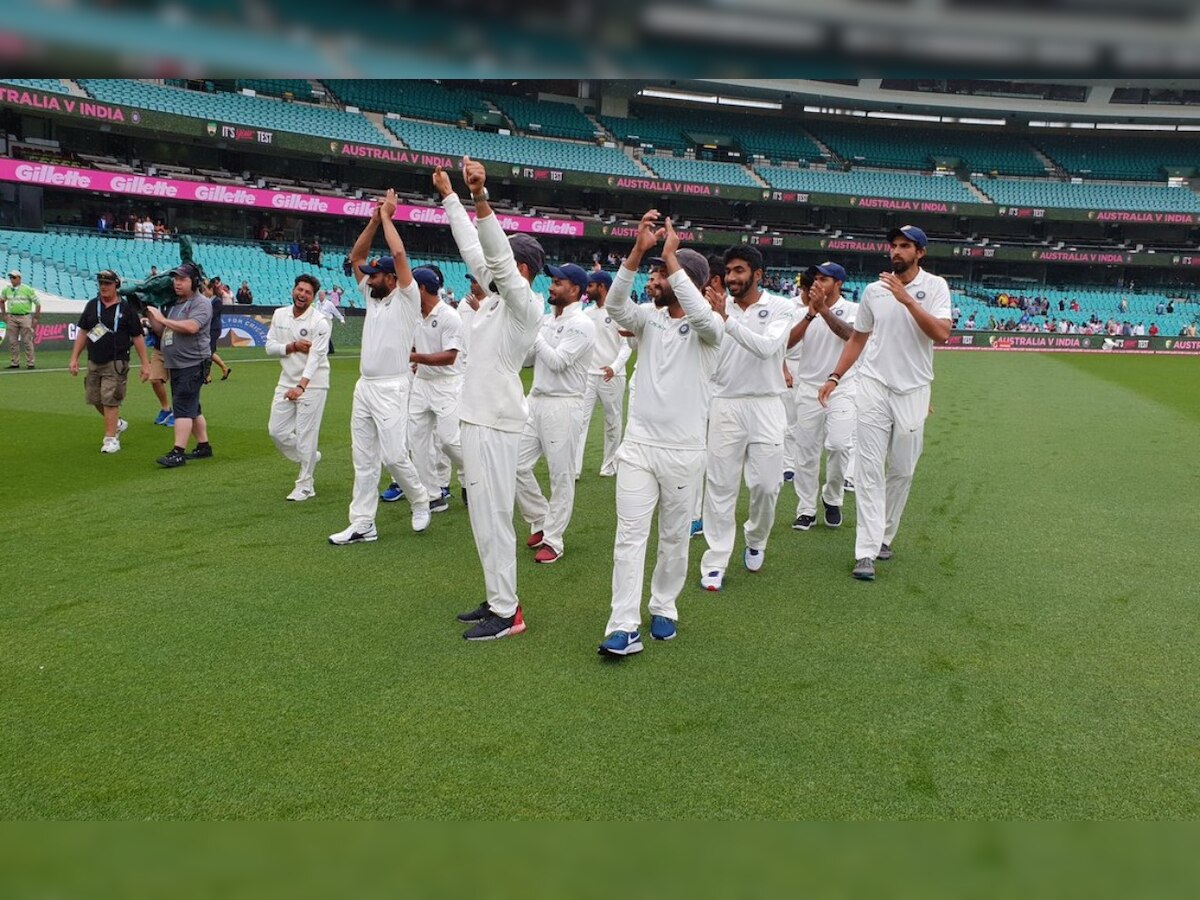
[659, 133]
[699, 170]
[53, 85]
[869, 183]
[420, 99]
[260, 112]
[512, 149]
[1101, 155]
[545, 117]
[1094, 195]
[297, 87]
[914, 148]
[667, 129]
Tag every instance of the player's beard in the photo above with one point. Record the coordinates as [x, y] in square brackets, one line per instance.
[665, 297]
[379, 291]
[900, 266]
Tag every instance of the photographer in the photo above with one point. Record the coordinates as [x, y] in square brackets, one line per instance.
[107, 328]
[183, 337]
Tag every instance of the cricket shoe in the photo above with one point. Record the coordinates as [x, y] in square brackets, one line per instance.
[621, 643]
[713, 581]
[354, 536]
[662, 628]
[495, 627]
[864, 569]
[753, 559]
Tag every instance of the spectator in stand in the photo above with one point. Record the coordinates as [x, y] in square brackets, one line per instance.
[1170, 307]
[1063, 326]
[955, 314]
[1190, 331]
[335, 294]
[1160, 308]
[1153, 329]
[153, 273]
[244, 295]
[1139, 330]
[1123, 306]
[1074, 305]
[160, 231]
[970, 323]
[102, 224]
[347, 269]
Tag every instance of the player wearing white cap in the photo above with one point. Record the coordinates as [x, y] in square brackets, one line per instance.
[562, 352]
[606, 377]
[433, 404]
[908, 311]
[661, 461]
[746, 416]
[492, 408]
[379, 414]
[822, 332]
[299, 336]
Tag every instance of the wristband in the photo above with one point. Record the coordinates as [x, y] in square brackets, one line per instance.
[481, 196]
[834, 377]
[810, 317]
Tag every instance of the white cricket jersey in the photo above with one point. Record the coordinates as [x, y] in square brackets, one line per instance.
[899, 353]
[676, 358]
[562, 353]
[503, 328]
[751, 362]
[388, 331]
[287, 328]
[822, 348]
[466, 316]
[438, 332]
[612, 350]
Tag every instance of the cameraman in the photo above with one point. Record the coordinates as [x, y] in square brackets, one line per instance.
[107, 327]
[183, 337]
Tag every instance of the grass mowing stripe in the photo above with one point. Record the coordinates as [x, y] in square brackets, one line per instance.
[184, 644]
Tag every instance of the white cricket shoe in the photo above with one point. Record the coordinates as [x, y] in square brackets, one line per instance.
[420, 516]
[110, 445]
[299, 495]
[353, 536]
[754, 559]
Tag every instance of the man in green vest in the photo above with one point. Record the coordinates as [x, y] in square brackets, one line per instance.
[21, 309]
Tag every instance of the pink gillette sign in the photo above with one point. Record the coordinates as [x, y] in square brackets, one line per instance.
[70, 178]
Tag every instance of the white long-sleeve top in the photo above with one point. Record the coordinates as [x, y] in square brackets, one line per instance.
[822, 348]
[676, 359]
[388, 331]
[899, 353]
[286, 328]
[438, 332]
[503, 328]
[562, 352]
[751, 362]
[330, 311]
[612, 350]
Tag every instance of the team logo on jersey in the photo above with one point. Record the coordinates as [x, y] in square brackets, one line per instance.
[433, 324]
[559, 331]
[608, 320]
[763, 313]
[685, 328]
[303, 332]
[839, 312]
[920, 295]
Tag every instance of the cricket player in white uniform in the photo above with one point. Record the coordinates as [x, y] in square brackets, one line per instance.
[329, 310]
[299, 336]
[379, 415]
[822, 331]
[661, 461]
[492, 409]
[433, 404]
[746, 416]
[908, 311]
[606, 377]
[562, 353]
[715, 294]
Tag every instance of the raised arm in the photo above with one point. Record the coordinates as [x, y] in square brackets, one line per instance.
[514, 288]
[462, 229]
[395, 245]
[699, 312]
[362, 247]
[631, 316]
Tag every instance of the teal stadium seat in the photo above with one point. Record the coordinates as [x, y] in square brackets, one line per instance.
[1090, 195]
[869, 183]
[1103, 155]
[902, 147]
[699, 170]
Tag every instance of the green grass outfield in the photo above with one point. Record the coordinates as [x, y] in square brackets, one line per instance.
[185, 644]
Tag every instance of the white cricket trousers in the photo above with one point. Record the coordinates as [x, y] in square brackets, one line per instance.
[295, 427]
[891, 432]
[611, 395]
[649, 477]
[822, 428]
[490, 456]
[379, 436]
[789, 437]
[551, 431]
[744, 433]
[433, 430]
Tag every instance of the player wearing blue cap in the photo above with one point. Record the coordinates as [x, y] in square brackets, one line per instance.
[492, 408]
[379, 414]
[606, 376]
[562, 352]
[907, 311]
[433, 404]
[822, 332]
